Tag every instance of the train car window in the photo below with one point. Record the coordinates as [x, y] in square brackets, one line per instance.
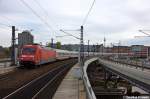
[28, 50]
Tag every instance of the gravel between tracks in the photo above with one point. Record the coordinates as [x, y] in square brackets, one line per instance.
[14, 80]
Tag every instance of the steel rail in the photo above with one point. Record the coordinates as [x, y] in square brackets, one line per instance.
[30, 90]
[41, 94]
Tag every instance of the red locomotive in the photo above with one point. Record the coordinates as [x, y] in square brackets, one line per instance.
[36, 55]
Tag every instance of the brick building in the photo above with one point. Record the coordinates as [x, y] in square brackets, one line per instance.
[139, 51]
[120, 49]
[25, 38]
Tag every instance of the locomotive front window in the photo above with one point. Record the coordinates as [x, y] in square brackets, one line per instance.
[28, 50]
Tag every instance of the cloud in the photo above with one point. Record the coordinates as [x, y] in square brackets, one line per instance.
[5, 39]
[114, 19]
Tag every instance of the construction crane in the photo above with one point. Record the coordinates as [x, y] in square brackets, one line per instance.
[143, 31]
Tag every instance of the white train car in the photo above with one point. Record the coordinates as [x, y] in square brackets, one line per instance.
[62, 54]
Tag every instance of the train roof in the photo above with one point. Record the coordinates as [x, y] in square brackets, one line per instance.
[65, 51]
[49, 48]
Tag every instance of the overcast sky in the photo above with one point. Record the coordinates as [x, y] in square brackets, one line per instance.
[114, 19]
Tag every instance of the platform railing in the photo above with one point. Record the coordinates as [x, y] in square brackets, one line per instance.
[89, 91]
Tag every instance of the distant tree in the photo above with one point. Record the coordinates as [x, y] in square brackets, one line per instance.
[58, 45]
[7, 52]
[48, 45]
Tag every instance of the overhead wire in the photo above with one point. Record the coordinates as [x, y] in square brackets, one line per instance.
[90, 9]
[36, 14]
[69, 34]
[7, 19]
[45, 12]
[10, 21]
[42, 8]
[6, 25]
[6, 29]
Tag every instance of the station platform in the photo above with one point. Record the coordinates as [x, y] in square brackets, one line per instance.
[5, 68]
[71, 87]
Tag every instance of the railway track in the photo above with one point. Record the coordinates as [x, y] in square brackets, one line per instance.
[44, 86]
[20, 77]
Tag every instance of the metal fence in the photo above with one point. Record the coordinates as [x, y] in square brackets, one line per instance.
[137, 64]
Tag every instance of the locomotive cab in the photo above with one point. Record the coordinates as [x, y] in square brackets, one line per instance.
[28, 55]
[33, 55]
